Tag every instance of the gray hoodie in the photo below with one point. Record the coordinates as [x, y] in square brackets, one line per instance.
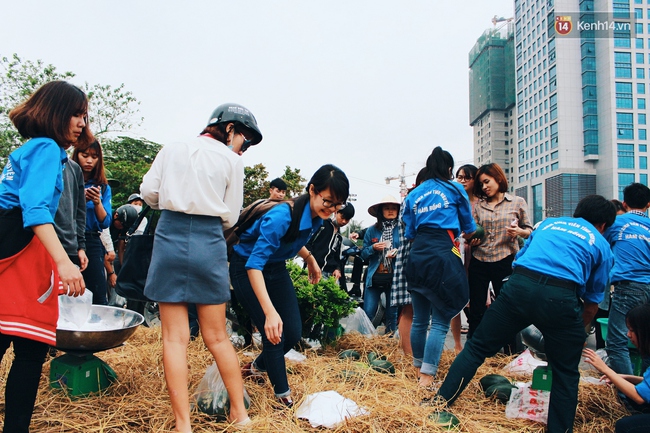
[70, 218]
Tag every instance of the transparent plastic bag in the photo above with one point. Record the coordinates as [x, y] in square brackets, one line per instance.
[74, 311]
[529, 404]
[524, 363]
[358, 322]
[211, 395]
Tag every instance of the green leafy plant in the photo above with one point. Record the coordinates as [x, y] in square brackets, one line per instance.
[322, 305]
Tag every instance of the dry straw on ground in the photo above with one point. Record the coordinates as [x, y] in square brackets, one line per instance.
[138, 402]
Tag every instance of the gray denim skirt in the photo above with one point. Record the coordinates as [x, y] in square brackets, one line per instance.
[189, 261]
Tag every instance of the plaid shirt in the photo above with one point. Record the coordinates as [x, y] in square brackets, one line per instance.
[399, 294]
[497, 245]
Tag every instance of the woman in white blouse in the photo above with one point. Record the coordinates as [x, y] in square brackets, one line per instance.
[198, 185]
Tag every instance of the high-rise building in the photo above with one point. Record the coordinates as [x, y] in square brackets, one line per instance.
[492, 96]
[580, 116]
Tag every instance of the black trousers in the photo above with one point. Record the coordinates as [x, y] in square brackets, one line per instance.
[480, 275]
[633, 424]
[557, 313]
[22, 381]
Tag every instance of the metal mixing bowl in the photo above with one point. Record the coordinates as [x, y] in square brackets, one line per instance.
[106, 327]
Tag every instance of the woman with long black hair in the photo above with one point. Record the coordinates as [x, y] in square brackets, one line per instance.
[435, 213]
[98, 216]
[260, 278]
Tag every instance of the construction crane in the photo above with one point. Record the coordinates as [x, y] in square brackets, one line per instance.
[402, 181]
[496, 19]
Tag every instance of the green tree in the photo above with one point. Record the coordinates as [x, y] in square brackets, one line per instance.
[256, 183]
[111, 110]
[128, 160]
[295, 182]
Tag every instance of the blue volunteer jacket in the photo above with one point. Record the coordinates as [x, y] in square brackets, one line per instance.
[262, 243]
[629, 237]
[570, 249]
[33, 180]
[439, 205]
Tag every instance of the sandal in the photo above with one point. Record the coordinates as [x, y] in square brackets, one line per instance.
[243, 424]
[285, 401]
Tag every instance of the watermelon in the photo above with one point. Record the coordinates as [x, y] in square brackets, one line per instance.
[501, 391]
[374, 356]
[349, 375]
[217, 404]
[445, 419]
[383, 366]
[350, 353]
[479, 233]
[212, 403]
[492, 379]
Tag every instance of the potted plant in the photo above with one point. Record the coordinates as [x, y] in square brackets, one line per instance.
[322, 305]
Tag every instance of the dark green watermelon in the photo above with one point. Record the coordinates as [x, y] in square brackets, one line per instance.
[383, 366]
[350, 375]
[350, 353]
[501, 391]
[372, 356]
[479, 233]
[212, 403]
[216, 404]
[492, 379]
[444, 419]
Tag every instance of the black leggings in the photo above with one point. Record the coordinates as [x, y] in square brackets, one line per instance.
[22, 382]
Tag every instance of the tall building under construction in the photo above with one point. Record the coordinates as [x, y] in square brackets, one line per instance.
[492, 96]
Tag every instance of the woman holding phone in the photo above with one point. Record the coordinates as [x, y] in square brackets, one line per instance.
[98, 216]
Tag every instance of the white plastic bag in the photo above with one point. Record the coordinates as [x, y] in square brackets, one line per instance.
[328, 409]
[292, 355]
[358, 322]
[211, 395]
[74, 312]
[529, 404]
[524, 363]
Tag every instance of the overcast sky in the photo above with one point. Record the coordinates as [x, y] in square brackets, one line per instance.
[364, 84]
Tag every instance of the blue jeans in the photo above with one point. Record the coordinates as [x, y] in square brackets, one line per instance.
[427, 349]
[627, 295]
[557, 313]
[371, 299]
[283, 296]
